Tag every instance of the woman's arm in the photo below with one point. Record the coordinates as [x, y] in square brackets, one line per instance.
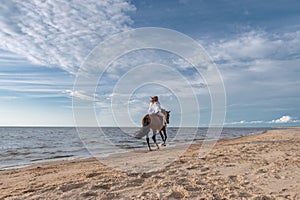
[157, 107]
[150, 109]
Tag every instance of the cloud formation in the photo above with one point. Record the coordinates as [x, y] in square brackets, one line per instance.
[60, 33]
[260, 69]
[282, 120]
[246, 49]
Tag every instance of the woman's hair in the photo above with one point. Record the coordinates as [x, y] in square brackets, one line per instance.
[154, 99]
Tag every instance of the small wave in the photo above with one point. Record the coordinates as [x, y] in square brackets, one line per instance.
[52, 157]
[14, 153]
[126, 146]
[60, 156]
[126, 142]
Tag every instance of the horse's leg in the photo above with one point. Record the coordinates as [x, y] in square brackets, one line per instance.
[165, 133]
[163, 136]
[148, 143]
[154, 140]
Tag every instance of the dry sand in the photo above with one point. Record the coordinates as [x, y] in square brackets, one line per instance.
[264, 166]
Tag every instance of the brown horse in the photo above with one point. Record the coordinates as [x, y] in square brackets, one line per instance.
[155, 123]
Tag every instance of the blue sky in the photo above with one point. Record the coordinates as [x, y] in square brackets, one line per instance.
[255, 44]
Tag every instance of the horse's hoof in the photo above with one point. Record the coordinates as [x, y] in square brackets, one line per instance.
[149, 149]
[162, 144]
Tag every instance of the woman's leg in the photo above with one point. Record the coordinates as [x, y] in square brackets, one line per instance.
[163, 116]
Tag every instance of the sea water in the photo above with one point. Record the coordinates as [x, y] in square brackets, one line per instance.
[22, 146]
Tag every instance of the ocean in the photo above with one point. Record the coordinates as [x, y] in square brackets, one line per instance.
[23, 146]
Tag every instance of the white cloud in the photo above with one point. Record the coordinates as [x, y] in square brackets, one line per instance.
[256, 56]
[244, 122]
[182, 63]
[9, 58]
[8, 97]
[36, 82]
[59, 33]
[79, 95]
[82, 95]
[255, 45]
[250, 45]
[283, 119]
[259, 67]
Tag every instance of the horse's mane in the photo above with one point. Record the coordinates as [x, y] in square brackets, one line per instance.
[163, 110]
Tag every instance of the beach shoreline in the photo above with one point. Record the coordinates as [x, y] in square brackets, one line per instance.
[258, 166]
[52, 149]
[38, 144]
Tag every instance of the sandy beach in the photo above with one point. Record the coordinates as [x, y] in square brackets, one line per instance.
[264, 166]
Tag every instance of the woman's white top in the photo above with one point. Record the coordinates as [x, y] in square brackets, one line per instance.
[154, 107]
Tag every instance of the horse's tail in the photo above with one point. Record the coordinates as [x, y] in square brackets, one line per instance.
[142, 132]
[145, 129]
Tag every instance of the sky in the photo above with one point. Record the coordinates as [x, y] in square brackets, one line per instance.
[254, 44]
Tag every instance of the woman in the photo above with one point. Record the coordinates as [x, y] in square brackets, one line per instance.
[155, 108]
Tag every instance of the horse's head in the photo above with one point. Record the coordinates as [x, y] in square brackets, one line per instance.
[167, 116]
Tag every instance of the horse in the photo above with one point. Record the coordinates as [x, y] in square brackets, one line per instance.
[155, 123]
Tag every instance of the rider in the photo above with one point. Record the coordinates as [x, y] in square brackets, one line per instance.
[155, 108]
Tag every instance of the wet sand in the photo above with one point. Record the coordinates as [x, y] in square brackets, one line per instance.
[264, 166]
